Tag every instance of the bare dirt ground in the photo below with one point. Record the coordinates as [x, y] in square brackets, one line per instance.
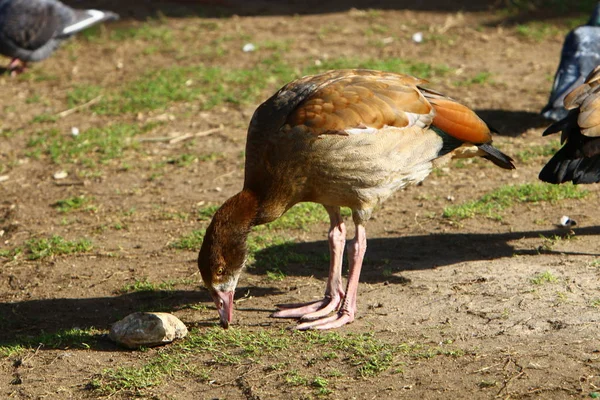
[474, 308]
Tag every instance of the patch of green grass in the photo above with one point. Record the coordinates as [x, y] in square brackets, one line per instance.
[9, 133]
[207, 350]
[419, 69]
[543, 278]
[549, 242]
[135, 379]
[369, 355]
[538, 31]
[232, 346]
[68, 338]
[481, 78]
[505, 197]
[44, 117]
[275, 45]
[294, 378]
[33, 99]
[95, 145]
[72, 204]
[191, 241]
[147, 286]
[149, 31]
[321, 384]
[207, 86]
[206, 213]
[538, 151]
[42, 248]
[300, 216]
[81, 94]
[275, 274]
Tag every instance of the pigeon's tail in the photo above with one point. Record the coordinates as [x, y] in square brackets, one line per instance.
[554, 113]
[87, 18]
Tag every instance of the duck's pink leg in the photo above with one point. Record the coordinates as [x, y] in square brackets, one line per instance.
[356, 254]
[334, 292]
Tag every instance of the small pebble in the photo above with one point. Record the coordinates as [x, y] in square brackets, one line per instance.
[417, 37]
[248, 47]
[75, 131]
[60, 175]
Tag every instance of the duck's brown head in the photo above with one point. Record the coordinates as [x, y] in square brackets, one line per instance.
[223, 253]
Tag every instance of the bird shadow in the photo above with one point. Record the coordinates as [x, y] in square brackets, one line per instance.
[48, 321]
[512, 123]
[387, 256]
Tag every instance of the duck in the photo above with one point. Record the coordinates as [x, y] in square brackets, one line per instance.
[342, 138]
[31, 30]
[580, 54]
[578, 160]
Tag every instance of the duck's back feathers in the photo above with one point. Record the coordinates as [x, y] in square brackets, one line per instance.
[578, 160]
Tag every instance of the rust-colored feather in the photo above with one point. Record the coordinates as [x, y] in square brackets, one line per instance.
[459, 121]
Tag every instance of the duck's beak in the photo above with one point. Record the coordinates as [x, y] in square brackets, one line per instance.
[224, 303]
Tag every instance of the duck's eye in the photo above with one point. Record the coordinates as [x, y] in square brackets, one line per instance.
[220, 271]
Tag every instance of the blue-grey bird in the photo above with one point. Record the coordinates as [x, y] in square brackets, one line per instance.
[580, 55]
[30, 30]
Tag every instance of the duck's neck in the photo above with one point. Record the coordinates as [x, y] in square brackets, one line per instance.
[240, 211]
[236, 217]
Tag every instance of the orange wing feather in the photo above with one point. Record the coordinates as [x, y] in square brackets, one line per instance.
[457, 120]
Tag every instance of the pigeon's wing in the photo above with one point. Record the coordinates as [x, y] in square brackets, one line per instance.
[79, 20]
[29, 24]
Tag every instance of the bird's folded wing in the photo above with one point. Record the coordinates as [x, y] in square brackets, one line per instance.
[364, 101]
[350, 102]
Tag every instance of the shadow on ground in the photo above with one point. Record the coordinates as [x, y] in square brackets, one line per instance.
[513, 123]
[144, 9]
[405, 253]
[385, 256]
[23, 321]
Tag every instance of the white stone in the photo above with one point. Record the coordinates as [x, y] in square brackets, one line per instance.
[60, 175]
[248, 47]
[147, 329]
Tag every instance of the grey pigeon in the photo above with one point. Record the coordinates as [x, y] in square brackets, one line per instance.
[30, 30]
[580, 55]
